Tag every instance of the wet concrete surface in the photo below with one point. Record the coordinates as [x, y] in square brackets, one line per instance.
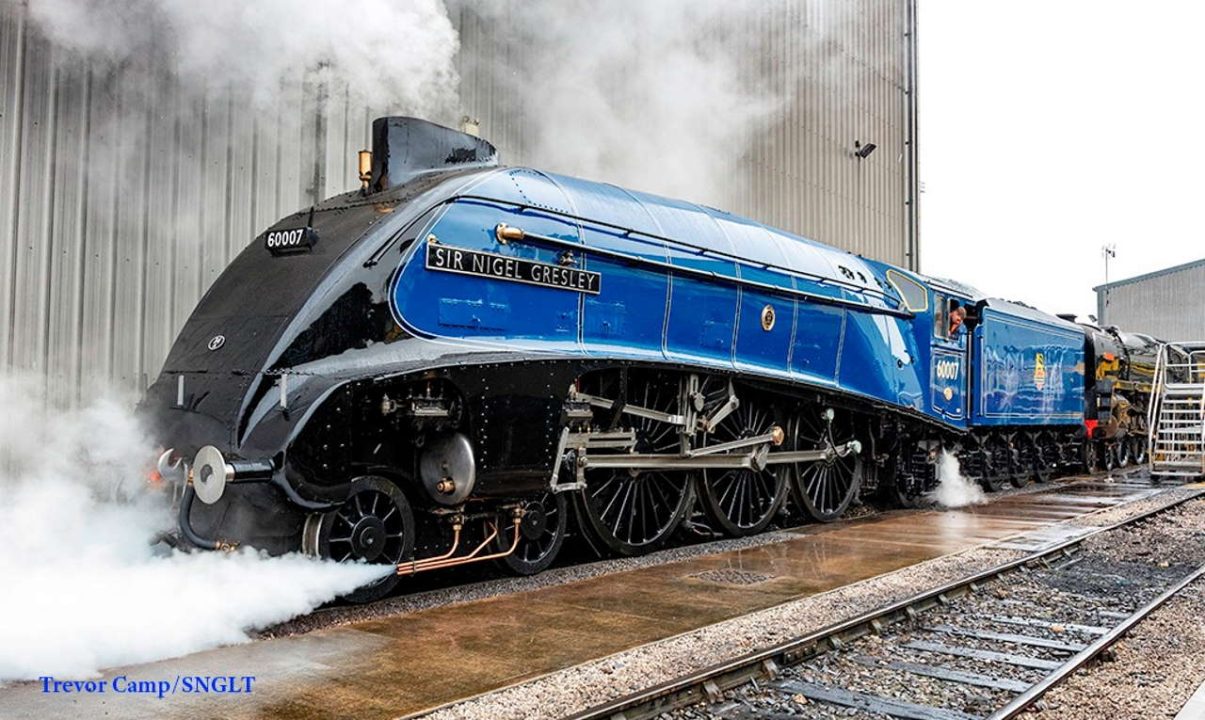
[404, 664]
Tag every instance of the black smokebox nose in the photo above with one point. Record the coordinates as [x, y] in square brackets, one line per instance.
[405, 147]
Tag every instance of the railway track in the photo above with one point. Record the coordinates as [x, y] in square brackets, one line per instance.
[986, 646]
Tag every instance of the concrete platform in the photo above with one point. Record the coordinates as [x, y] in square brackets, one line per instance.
[1194, 709]
[409, 663]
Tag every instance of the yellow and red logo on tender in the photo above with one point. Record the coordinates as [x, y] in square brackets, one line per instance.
[1039, 371]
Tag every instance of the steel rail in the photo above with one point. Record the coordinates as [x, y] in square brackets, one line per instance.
[1026, 699]
[709, 683]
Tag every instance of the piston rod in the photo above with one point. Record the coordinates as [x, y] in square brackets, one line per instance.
[725, 461]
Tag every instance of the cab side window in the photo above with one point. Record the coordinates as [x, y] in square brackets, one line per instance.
[941, 316]
[949, 318]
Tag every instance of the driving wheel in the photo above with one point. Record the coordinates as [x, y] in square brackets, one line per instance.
[633, 511]
[825, 488]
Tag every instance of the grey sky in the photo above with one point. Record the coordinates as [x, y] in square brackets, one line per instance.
[1049, 129]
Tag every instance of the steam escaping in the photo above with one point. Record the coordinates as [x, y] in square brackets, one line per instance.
[671, 97]
[388, 54]
[954, 490]
[83, 588]
[664, 97]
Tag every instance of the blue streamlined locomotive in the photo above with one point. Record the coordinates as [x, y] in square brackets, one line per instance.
[452, 363]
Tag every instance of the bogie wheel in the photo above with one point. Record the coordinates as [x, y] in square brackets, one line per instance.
[1125, 452]
[374, 525]
[1089, 459]
[741, 502]
[825, 488]
[630, 511]
[541, 534]
[1107, 455]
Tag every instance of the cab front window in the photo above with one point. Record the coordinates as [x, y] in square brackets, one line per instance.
[915, 295]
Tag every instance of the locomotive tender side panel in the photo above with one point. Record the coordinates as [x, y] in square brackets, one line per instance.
[1028, 369]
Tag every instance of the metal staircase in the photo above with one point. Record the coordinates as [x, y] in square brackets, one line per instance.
[1176, 412]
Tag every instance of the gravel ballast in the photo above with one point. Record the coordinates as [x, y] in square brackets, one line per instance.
[1149, 674]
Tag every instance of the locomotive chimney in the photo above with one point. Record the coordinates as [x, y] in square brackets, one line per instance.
[404, 148]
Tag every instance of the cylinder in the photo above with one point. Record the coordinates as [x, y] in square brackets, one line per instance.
[449, 469]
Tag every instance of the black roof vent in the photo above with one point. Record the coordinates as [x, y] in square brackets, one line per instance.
[405, 147]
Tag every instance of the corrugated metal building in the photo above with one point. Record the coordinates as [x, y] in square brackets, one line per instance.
[1168, 303]
[110, 232]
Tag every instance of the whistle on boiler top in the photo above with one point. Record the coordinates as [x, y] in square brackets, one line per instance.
[365, 169]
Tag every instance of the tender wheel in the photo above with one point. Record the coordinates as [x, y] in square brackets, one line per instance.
[635, 511]
[1045, 458]
[993, 458]
[824, 489]
[742, 502]
[1125, 452]
[374, 525]
[541, 534]
[1020, 466]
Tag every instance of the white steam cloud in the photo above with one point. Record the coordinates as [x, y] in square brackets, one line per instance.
[389, 54]
[82, 587]
[660, 96]
[669, 97]
[953, 489]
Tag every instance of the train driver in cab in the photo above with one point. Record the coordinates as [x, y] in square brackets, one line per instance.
[958, 314]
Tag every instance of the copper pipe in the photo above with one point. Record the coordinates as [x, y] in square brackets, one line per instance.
[417, 566]
[472, 557]
[448, 554]
[434, 563]
[445, 561]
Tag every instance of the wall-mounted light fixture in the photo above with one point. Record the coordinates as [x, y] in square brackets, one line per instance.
[863, 151]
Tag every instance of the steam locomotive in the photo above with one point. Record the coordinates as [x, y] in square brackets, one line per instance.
[454, 362]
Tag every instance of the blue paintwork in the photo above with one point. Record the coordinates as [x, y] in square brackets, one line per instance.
[1029, 368]
[647, 313]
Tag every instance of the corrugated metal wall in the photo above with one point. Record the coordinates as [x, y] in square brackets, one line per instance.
[1169, 305]
[110, 231]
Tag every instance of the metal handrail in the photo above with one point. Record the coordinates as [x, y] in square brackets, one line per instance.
[1185, 364]
[1152, 408]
